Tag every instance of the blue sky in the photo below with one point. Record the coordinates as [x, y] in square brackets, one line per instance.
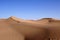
[30, 9]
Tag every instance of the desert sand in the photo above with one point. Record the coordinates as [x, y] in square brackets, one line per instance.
[13, 28]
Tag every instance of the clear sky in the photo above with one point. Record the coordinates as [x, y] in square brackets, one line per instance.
[30, 9]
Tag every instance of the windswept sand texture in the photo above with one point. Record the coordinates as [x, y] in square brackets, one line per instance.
[14, 28]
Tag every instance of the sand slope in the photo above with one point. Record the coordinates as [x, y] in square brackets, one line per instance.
[14, 28]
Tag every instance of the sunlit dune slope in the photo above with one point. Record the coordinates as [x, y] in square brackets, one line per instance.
[41, 22]
[13, 28]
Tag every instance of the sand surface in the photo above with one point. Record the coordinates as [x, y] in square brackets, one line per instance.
[13, 28]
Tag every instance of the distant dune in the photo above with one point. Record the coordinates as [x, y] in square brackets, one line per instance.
[13, 28]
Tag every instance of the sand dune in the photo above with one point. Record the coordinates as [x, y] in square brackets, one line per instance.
[14, 28]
